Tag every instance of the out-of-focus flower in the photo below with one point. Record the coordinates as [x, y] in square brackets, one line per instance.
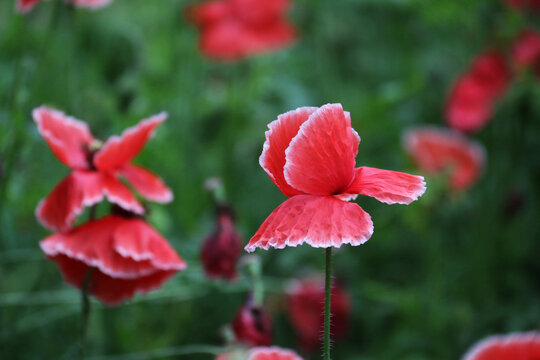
[222, 249]
[438, 149]
[305, 305]
[252, 325]
[234, 29]
[24, 6]
[120, 256]
[96, 168]
[309, 153]
[261, 353]
[516, 346]
[524, 4]
[473, 96]
[526, 50]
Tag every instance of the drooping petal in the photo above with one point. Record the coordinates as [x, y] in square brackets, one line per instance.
[516, 346]
[147, 184]
[119, 194]
[320, 159]
[67, 137]
[23, 6]
[320, 221]
[272, 353]
[118, 151]
[91, 4]
[391, 187]
[278, 139]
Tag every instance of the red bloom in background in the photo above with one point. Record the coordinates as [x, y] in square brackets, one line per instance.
[438, 149]
[305, 305]
[526, 50]
[272, 353]
[471, 101]
[252, 325]
[95, 169]
[524, 4]
[234, 29]
[24, 6]
[517, 346]
[222, 249]
[127, 256]
[310, 154]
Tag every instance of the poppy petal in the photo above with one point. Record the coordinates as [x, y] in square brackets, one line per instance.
[516, 346]
[272, 353]
[67, 137]
[120, 150]
[209, 12]
[320, 221]
[278, 138]
[23, 6]
[147, 184]
[391, 187]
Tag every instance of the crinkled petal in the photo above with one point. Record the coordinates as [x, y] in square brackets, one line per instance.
[120, 150]
[119, 194]
[391, 187]
[67, 137]
[272, 353]
[91, 4]
[320, 221]
[24, 6]
[278, 139]
[320, 159]
[515, 346]
[147, 184]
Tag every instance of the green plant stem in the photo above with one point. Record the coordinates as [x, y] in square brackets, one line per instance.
[85, 310]
[327, 303]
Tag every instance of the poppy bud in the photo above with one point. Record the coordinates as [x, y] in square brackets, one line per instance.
[221, 250]
[252, 325]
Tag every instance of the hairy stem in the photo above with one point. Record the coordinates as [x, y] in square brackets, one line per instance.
[327, 303]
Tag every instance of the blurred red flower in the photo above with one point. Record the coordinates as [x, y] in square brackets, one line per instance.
[235, 29]
[124, 256]
[438, 149]
[524, 4]
[305, 305]
[24, 6]
[261, 353]
[516, 346]
[526, 50]
[472, 98]
[96, 168]
[222, 249]
[309, 153]
[252, 325]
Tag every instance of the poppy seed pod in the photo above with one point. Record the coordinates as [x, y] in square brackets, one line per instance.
[252, 325]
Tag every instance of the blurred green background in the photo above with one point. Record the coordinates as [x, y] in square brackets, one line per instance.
[435, 277]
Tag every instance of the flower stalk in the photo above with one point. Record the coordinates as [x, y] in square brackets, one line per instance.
[327, 303]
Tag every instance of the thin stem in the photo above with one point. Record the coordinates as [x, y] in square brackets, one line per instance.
[327, 303]
[85, 309]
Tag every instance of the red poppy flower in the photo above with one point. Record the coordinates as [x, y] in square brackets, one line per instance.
[222, 249]
[310, 154]
[438, 149]
[517, 346]
[526, 50]
[234, 29]
[127, 256]
[524, 4]
[24, 6]
[95, 172]
[305, 305]
[473, 96]
[272, 353]
[252, 325]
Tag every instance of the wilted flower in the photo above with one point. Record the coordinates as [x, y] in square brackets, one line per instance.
[309, 153]
[234, 29]
[24, 6]
[526, 51]
[516, 346]
[252, 325]
[96, 168]
[305, 305]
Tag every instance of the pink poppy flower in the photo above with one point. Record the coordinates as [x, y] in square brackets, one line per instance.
[261, 353]
[222, 249]
[526, 50]
[473, 96]
[309, 153]
[516, 346]
[305, 305]
[126, 255]
[524, 4]
[96, 168]
[438, 149]
[235, 29]
[252, 325]
[24, 6]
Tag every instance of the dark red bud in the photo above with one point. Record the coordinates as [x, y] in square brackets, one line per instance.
[253, 326]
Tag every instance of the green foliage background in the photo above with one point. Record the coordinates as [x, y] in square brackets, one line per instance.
[436, 276]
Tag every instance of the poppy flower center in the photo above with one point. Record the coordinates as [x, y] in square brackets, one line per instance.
[91, 150]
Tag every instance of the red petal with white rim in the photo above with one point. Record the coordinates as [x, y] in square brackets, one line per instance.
[91, 4]
[320, 159]
[120, 150]
[147, 184]
[24, 6]
[320, 221]
[516, 346]
[272, 353]
[67, 137]
[391, 187]
[119, 194]
[278, 139]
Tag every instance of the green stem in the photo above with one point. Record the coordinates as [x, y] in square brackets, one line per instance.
[85, 310]
[327, 303]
